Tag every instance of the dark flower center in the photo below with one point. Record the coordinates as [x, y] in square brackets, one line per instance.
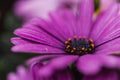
[79, 46]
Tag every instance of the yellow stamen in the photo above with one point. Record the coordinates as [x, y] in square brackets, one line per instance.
[83, 49]
[92, 45]
[91, 40]
[69, 39]
[74, 49]
[68, 46]
[66, 42]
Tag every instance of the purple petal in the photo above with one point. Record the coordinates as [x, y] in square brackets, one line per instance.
[58, 75]
[49, 27]
[18, 41]
[22, 73]
[36, 35]
[12, 76]
[103, 75]
[112, 47]
[89, 64]
[28, 9]
[58, 63]
[92, 64]
[36, 48]
[63, 75]
[41, 58]
[34, 70]
[105, 24]
[111, 62]
[65, 22]
[112, 31]
[37, 24]
[85, 17]
[62, 62]
[104, 4]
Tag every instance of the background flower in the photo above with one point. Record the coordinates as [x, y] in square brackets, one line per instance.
[40, 8]
[22, 73]
[104, 4]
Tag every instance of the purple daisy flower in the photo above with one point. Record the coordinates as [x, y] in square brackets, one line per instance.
[76, 38]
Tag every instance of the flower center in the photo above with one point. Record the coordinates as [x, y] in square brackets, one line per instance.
[79, 46]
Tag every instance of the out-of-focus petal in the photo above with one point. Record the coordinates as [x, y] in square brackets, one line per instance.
[58, 63]
[28, 9]
[104, 4]
[12, 76]
[89, 64]
[64, 74]
[111, 62]
[92, 64]
[21, 74]
[41, 58]
[103, 75]
[35, 8]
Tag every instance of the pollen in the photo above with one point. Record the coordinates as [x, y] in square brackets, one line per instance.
[92, 45]
[79, 45]
[83, 49]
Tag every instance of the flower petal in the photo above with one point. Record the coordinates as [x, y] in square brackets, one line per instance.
[62, 62]
[105, 24]
[41, 58]
[48, 75]
[65, 21]
[104, 75]
[36, 48]
[34, 70]
[110, 61]
[85, 17]
[37, 35]
[58, 63]
[37, 24]
[63, 75]
[89, 64]
[111, 47]
[112, 31]
[23, 74]
[12, 76]
[104, 4]
[49, 28]
[18, 41]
